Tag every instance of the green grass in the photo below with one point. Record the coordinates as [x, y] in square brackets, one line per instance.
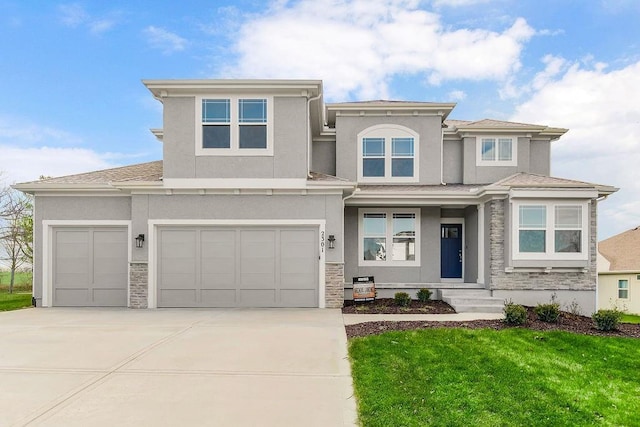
[630, 318]
[14, 301]
[513, 377]
[22, 281]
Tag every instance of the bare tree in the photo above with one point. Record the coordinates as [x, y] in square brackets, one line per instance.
[16, 231]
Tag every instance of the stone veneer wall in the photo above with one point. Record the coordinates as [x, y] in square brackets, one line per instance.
[138, 284]
[501, 280]
[334, 285]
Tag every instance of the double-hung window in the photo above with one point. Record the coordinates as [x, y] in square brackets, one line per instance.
[389, 237]
[496, 151]
[550, 231]
[234, 126]
[388, 153]
[623, 289]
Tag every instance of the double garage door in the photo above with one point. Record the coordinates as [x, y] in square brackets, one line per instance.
[237, 266]
[89, 266]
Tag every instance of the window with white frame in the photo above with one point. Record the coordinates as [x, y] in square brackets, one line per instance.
[496, 151]
[550, 231]
[389, 237]
[234, 126]
[623, 288]
[388, 153]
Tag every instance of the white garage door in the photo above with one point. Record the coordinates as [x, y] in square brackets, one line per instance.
[237, 267]
[90, 267]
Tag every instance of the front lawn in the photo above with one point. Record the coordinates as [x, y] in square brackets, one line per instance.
[21, 281]
[630, 318]
[483, 377]
[14, 301]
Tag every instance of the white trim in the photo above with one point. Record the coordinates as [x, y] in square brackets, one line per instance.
[153, 224]
[480, 279]
[549, 229]
[240, 183]
[560, 193]
[389, 131]
[497, 162]
[47, 250]
[389, 262]
[453, 221]
[234, 127]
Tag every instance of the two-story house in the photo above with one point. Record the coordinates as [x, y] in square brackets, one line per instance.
[268, 197]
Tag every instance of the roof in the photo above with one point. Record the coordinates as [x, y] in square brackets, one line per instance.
[145, 172]
[531, 180]
[491, 125]
[622, 250]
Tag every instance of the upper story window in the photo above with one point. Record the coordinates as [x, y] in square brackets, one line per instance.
[388, 153]
[234, 126]
[496, 151]
[550, 231]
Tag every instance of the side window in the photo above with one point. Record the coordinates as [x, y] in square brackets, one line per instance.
[388, 153]
[623, 289]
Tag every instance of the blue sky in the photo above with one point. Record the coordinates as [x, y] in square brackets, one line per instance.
[72, 101]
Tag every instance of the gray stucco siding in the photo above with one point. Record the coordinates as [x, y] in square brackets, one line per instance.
[427, 272]
[428, 128]
[323, 159]
[540, 159]
[474, 174]
[453, 155]
[289, 159]
[471, 244]
[253, 207]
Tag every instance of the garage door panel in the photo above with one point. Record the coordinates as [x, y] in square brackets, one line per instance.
[239, 266]
[298, 297]
[110, 297]
[177, 298]
[218, 297]
[90, 266]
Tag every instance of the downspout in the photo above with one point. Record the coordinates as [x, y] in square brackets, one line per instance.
[309, 132]
[442, 153]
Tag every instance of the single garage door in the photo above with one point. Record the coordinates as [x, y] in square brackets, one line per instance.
[237, 267]
[90, 267]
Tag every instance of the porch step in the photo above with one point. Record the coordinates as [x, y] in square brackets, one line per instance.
[472, 301]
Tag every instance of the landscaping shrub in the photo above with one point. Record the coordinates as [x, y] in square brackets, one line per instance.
[424, 295]
[607, 320]
[548, 312]
[402, 299]
[514, 314]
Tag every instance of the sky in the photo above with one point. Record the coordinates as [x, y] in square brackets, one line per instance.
[71, 97]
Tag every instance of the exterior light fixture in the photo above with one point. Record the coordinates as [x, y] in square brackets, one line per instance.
[140, 241]
[331, 240]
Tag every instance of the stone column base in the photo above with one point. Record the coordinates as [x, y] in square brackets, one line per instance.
[138, 285]
[334, 285]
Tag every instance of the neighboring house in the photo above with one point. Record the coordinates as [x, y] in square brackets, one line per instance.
[619, 272]
[267, 197]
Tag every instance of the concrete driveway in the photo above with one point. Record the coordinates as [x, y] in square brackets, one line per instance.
[183, 367]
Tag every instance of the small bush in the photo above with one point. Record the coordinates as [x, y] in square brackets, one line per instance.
[548, 312]
[514, 314]
[424, 295]
[573, 308]
[402, 299]
[607, 320]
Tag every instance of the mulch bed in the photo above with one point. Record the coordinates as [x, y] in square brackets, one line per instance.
[567, 322]
[387, 306]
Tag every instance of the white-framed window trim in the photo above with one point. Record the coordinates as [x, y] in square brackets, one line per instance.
[623, 289]
[235, 123]
[392, 136]
[504, 151]
[551, 225]
[397, 242]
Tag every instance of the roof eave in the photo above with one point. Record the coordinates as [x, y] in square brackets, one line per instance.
[167, 88]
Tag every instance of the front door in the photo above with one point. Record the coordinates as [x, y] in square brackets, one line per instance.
[451, 251]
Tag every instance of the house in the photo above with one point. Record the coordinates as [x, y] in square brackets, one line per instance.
[268, 197]
[619, 272]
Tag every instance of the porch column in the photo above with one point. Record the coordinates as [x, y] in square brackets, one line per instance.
[480, 278]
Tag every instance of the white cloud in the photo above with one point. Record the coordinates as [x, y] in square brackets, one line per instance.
[166, 41]
[601, 109]
[28, 164]
[457, 95]
[75, 15]
[357, 46]
[457, 3]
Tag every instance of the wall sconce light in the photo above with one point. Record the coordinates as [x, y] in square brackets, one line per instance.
[140, 241]
[331, 240]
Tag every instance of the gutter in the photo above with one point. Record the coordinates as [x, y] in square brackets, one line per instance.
[309, 142]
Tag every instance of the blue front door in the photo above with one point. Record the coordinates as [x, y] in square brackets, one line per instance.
[451, 251]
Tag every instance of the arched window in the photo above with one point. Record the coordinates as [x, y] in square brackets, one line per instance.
[388, 153]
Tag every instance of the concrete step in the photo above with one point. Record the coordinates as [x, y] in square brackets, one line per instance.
[472, 299]
[465, 292]
[475, 308]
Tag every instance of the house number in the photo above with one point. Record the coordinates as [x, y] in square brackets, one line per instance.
[322, 241]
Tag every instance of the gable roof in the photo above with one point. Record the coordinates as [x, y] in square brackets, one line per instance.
[536, 181]
[622, 250]
[491, 125]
